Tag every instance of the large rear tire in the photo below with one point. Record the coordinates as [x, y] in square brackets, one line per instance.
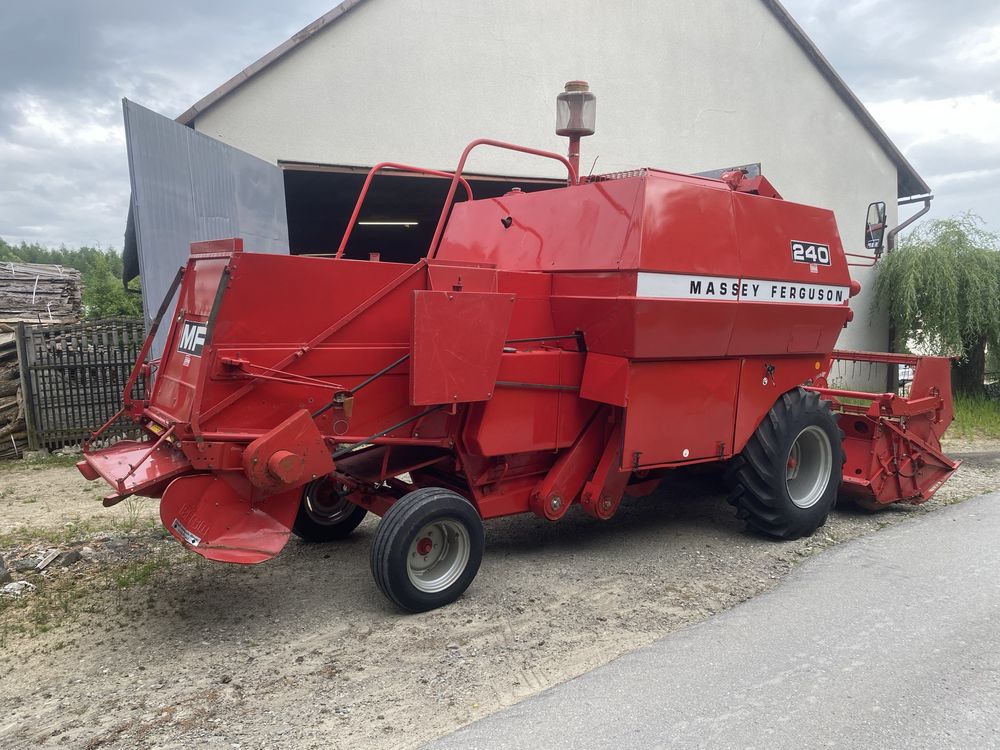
[427, 549]
[785, 482]
[325, 514]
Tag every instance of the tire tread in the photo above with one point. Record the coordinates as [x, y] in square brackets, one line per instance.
[395, 523]
[754, 475]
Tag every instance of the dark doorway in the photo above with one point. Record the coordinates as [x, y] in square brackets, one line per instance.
[397, 219]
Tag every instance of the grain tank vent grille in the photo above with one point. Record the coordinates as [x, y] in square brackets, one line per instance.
[617, 175]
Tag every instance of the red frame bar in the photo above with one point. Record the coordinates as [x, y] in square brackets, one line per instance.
[133, 469]
[199, 416]
[141, 359]
[368, 181]
[888, 404]
[573, 178]
[880, 357]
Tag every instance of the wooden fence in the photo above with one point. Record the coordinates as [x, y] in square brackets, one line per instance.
[73, 376]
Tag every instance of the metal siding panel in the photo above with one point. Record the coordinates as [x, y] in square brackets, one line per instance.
[188, 187]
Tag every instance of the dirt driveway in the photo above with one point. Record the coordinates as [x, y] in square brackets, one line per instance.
[140, 644]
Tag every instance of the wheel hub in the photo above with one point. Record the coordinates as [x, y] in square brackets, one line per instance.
[438, 555]
[808, 467]
[326, 502]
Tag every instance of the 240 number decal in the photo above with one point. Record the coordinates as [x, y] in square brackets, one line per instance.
[810, 252]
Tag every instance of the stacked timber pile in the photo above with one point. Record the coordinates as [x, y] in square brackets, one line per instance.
[13, 429]
[37, 293]
[29, 293]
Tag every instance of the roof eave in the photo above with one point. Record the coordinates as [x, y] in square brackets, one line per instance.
[189, 115]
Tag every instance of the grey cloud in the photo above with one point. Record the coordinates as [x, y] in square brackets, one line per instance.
[889, 49]
[160, 50]
[79, 57]
[954, 155]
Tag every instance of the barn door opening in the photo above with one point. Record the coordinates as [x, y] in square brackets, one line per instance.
[398, 217]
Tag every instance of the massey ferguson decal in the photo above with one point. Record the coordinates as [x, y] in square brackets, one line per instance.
[683, 286]
[192, 338]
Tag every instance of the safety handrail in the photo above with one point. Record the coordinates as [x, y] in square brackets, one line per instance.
[573, 178]
[399, 168]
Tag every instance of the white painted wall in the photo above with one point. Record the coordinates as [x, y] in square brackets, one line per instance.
[686, 85]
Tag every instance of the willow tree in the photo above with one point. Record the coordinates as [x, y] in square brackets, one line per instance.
[941, 288]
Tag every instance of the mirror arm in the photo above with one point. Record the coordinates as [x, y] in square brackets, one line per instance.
[890, 242]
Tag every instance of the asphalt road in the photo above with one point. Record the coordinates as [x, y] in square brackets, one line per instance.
[889, 641]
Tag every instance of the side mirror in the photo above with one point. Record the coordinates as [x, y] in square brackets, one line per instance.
[875, 227]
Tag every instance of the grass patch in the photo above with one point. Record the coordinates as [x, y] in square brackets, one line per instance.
[976, 417]
[141, 573]
[72, 531]
[76, 531]
[52, 603]
[39, 464]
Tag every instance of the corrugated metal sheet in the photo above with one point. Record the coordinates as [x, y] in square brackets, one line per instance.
[188, 187]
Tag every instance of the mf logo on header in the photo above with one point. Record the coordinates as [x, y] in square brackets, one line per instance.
[192, 338]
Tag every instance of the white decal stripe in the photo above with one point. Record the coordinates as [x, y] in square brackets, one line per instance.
[798, 292]
[685, 286]
[681, 286]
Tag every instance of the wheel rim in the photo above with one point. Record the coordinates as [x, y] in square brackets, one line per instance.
[438, 555]
[326, 502]
[807, 470]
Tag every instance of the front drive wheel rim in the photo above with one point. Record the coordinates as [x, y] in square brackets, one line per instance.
[325, 504]
[438, 555]
[808, 467]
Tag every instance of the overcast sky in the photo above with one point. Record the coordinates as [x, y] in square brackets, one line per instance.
[928, 70]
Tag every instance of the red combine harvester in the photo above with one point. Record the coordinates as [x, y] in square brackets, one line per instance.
[552, 349]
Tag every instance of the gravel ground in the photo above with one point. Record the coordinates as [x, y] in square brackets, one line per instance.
[141, 644]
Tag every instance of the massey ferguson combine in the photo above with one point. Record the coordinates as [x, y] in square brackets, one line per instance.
[552, 349]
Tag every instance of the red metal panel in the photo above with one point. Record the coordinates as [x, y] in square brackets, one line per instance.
[766, 230]
[131, 468]
[456, 345]
[186, 352]
[687, 226]
[605, 379]
[593, 283]
[532, 312]
[232, 245]
[528, 411]
[448, 277]
[679, 411]
[384, 399]
[207, 516]
[759, 389]
[584, 227]
[288, 456]
[648, 328]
